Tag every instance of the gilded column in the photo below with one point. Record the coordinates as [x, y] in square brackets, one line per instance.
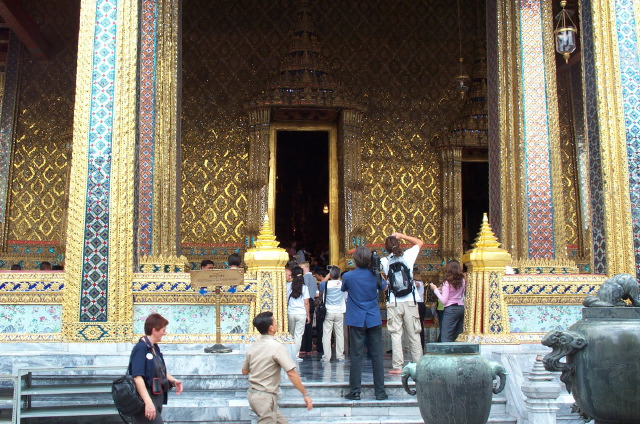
[486, 317]
[7, 118]
[266, 262]
[609, 57]
[258, 181]
[451, 183]
[100, 253]
[611, 82]
[354, 234]
[526, 179]
[159, 117]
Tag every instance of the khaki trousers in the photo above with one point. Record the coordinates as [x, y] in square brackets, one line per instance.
[265, 405]
[296, 329]
[333, 322]
[404, 316]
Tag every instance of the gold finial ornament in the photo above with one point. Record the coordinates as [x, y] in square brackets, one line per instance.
[486, 316]
[486, 252]
[266, 238]
[486, 236]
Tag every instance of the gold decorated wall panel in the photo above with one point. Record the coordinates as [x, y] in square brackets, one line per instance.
[43, 133]
[394, 57]
[568, 161]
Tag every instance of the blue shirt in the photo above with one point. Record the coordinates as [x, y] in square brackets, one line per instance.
[362, 303]
[142, 362]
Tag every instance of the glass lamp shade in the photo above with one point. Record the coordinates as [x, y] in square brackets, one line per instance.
[566, 41]
[463, 82]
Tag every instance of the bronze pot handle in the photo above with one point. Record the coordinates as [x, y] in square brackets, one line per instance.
[563, 343]
[409, 371]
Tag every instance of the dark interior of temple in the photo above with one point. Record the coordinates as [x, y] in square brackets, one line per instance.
[475, 197]
[302, 189]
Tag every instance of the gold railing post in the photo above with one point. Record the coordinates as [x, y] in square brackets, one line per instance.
[266, 262]
[486, 318]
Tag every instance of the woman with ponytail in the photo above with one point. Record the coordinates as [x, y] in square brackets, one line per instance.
[297, 307]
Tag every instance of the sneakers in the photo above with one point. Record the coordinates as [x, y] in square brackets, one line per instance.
[382, 396]
[352, 396]
[395, 371]
[341, 361]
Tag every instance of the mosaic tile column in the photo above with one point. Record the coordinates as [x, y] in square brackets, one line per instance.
[158, 205]
[98, 298]
[451, 180]
[7, 117]
[258, 181]
[627, 25]
[608, 43]
[524, 130]
[354, 230]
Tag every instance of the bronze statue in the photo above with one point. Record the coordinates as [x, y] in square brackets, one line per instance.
[614, 291]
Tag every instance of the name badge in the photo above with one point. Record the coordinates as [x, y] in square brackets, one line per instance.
[149, 356]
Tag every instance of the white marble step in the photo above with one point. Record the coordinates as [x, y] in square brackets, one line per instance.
[402, 419]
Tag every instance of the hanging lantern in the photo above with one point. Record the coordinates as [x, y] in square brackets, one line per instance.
[462, 80]
[325, 209]
[565, 32]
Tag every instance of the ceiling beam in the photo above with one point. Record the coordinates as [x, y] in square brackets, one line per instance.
[25, 28]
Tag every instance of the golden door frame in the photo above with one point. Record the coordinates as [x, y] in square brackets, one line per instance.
[332, 131]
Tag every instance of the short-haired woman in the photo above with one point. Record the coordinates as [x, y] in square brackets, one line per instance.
[149, 371]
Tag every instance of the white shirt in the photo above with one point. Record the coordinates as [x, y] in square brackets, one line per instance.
[419, 290]
[296, 306]
[335, 297]
[410, 255]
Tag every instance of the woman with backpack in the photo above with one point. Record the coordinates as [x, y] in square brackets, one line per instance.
[297, 307]
[451, 294]
[402, 301]
[149, 371]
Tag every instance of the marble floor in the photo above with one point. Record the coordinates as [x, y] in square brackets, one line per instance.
[313, 370]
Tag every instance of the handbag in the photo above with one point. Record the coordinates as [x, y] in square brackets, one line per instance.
[125, 396]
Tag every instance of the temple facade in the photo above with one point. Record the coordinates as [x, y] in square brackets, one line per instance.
[138, 137]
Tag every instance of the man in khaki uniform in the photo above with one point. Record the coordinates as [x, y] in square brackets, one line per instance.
[263, 363]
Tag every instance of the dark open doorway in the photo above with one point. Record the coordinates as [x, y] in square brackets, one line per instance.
[302, 189]
[475, 198]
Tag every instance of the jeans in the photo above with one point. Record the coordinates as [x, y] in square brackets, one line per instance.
[356, 340]
[452, 321]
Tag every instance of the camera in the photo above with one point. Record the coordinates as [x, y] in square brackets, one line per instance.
[375, 268]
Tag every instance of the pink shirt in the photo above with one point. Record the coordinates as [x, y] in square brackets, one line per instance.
[449, 295]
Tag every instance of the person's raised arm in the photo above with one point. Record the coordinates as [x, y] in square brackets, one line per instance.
[410, 239]
[297, 383]
[442, 295]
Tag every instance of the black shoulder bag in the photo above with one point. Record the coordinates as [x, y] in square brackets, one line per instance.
[321, 311]
[125, 396]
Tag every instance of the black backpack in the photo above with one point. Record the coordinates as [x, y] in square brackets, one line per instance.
[400, 281]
